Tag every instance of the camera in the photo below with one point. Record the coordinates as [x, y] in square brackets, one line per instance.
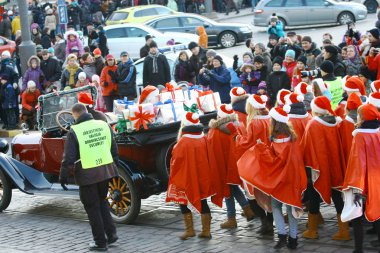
[311, 73]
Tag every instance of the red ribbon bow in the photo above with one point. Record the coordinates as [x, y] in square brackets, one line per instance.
[142, 119]
[169, 87]
[204, 93]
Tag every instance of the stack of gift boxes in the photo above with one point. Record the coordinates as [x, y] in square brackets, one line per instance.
[173, 102]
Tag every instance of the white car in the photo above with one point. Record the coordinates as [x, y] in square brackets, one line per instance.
[131, 37]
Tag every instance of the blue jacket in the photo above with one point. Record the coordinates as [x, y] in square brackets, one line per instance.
[8, 96]
[278, 29]
[218, 79]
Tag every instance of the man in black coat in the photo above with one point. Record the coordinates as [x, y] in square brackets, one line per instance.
[52, 70]
[198, 58]
[156, 68]
[331, 53]
[144, 51]
[277, 80]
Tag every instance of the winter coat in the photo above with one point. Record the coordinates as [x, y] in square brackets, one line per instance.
[280, 50]
[276, 81]
[102, 43]
[6, 28]
[51, 22]
[278, 29]
[10, 72]
[90, 70]
[353, 65]
[339, 66]
[99, 65]
[52, 69]
[289, 67]
[267, 60]
[107, 81]
[126, 79]
[60, 50]
[45, 41]
[374, 64]
[76, 43]
[197, 61]
[218, 80]
[74, 13]
[65, 78]
[29, 100]
[8, 96]
[92, 40]
[183, 72]
[311, 56]
[255, 77]
[86, 176]
[163, 75]
[16, 25]
[35, 75]
[144, 51]
[36, 38]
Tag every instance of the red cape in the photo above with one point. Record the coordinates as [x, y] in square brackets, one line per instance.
[299, 123]
[221, 149]
[340, 110]
[363, 169]
[323, 153]
[258, 129]
[346, 127]
[276, 170]
[242, 118]
[191, 176]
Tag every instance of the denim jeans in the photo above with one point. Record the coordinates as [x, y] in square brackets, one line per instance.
[280, 221]
[236, 193]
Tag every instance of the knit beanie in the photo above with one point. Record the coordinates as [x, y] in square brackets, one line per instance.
[327, 66]
[290, 53]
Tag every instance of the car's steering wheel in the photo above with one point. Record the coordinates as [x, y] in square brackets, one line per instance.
[64, 120]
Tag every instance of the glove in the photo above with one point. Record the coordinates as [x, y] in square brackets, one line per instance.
[111, 74]
[236, 58]
[357, 198]
[64, 181]
[232, 128]
[33, 110]
[207, 71]
[105, 84]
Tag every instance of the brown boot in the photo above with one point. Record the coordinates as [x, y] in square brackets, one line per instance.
[312, 231]
[230, 223]
[321, 221]
[343, 233]
[248, 213]
[206, 225]
[189, 226]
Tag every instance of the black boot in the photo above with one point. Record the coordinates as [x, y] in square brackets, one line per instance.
[266, 228]
[281, 241]
[292, 243]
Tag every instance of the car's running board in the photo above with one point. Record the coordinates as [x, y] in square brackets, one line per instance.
[57, 190]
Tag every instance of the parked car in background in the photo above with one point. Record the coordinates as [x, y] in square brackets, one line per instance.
[308, 12]
[371, 5]
[137, 14]
[224, 34]
[172, 54]
[7, 45]
[131, 37]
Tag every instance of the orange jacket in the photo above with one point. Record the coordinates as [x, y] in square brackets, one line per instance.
[29, 100]
[105, 77]
[203, 38]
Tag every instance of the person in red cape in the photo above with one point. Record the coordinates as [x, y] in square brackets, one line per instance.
[347, 126]
[363, 175]
[374, 99]
[298, 115]
[191, 177]
[238, 101]
[323, 155]
[257, 127]
[281, 97]
[221, 146]
[277, 171]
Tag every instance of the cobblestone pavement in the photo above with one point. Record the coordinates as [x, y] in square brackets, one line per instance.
[46, 224]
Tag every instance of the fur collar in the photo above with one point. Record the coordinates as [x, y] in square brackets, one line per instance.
[239, 98]
[217, 123]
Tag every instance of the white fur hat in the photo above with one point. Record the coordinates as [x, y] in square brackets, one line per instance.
[191, 119]
[31, 84]
[280, 114]
[258, 102]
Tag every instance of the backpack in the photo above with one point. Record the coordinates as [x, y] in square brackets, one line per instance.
[97, 18]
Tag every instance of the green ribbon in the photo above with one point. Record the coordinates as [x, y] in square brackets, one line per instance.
[193, 108]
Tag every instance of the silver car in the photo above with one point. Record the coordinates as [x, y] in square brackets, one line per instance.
[308, 12]
[371, 5]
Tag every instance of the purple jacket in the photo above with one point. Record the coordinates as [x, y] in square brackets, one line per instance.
[35, 75]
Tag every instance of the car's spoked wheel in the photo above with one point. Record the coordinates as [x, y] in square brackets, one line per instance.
[122, 199]
[228, 39]
[5, 191]
[345, 18]
[64, 120]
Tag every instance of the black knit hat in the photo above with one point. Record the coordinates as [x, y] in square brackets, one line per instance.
[327, 66]
[375, 33]
[273, 37]
[248, 43]
[153, 44]
[364, 71]
[258, 58]
[148, 36]
[192, 45]
[331, 49]
[278, 60]
[307, 38]
[302, 59]
[219, 58]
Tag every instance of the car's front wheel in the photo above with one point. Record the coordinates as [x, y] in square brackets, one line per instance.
[227, 39]
[346, 17]
[371, 6]
[5, 191]
[123, 198]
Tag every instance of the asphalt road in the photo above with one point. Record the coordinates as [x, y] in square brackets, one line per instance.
[260, 35]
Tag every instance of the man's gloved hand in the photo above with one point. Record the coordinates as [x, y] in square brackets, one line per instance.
[112, 75]
[236, 57]
[64, 181]
[357, 198]
[105, 83]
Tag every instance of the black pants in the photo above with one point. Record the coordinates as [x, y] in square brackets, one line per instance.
[108, 100]
[315, 200]
[358, 232]
[204, 206]
[10, 118]
[259, 211]
[93, 197]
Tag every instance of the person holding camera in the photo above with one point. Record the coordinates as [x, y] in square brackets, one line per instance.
[331, 53]
[373, 59]
[218, 79]
[310, 51]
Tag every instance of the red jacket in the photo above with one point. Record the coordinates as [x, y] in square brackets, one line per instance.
[289, 67]
[374, 64]
[105, 77]
[29, 100]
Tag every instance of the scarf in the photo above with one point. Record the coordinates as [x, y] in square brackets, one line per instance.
[353, 115]
[370, 124]
[72, 71]
[154, 57]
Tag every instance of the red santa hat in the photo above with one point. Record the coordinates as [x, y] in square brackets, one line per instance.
[236, 93]
[281, 96]
[85, 98]
[374, 99]
[353, 102]
[321, 84]
[280, 114]
[191, 119]
[354, 84]
[258, 102]
[225, 110]
[344, 79]
[375, 86]
[147, 93]
[302, 88]
[321, 105]
[369, 112]
[293, 98]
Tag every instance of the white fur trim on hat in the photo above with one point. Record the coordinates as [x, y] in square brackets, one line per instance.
[71, 32]
[31, 84]
[288, 100]
[191, 119]
[321, 84]
[82, 75]
[374, 101]
[225, 110]
[373, 86]
[256, 103]
[278, 97]
[300, 88]
[278, 116]
[317, 109]
[237, 91]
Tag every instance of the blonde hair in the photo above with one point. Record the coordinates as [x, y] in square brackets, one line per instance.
[180, 131]
[252, 112]
[317, 91]
[71, 57]
[360, 118]
[277, 129]
[183, 53]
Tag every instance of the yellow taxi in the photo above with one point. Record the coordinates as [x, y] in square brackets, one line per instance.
[138, 14]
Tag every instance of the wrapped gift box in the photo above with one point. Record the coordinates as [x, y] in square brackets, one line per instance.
[170, 112]
[120, 104]
[172, 93]
[208, 101]
[141, 115]
[192, 93]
